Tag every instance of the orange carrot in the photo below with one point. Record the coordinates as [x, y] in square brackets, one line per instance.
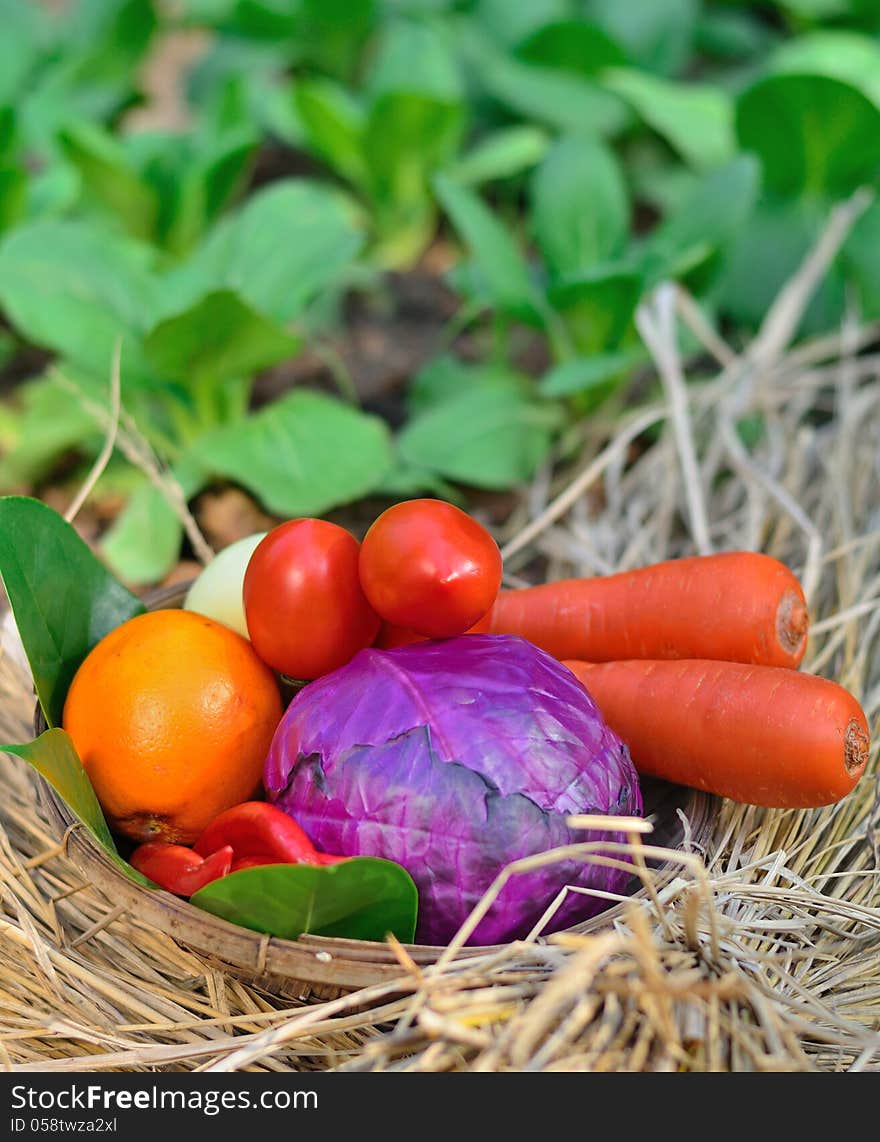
[739, 607]
[763, 735]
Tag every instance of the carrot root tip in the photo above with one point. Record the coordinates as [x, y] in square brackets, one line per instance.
[855, 748]
[792, 623]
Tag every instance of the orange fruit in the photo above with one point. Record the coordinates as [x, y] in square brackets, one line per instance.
[172, 715]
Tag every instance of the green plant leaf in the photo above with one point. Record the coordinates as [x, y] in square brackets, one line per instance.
[598, 306]
[709, 218]
[20, 45]
[572, 45]
[13, 196]
[508, 23]
[415, 56]
[491, 433]
[580, 205]
[364, 898]
[64, 600]
[218, 338]
[764, 256]
[695, 119]
[75, 287]
[503, 272]
[586, 373]
[848, 56]
[53, 755]
[193, 177]
[108, 179]
[656, 35]
[501, 154]
[143, 543]
[278, 252]
[48, 420]
[301, 455]
[334, 125]
[408, 136]
[814, 134]
[445, 377]
[860, 260]
[552, 96]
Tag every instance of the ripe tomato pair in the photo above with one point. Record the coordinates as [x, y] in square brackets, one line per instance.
[314, 596]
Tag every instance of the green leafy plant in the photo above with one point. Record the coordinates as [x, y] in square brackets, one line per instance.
[578, 153]
[408, 122]
[194, 336]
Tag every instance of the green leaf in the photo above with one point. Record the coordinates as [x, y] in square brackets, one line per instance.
[446, 376]
[50, 421]
[63, 599]
[334, 125]
[571, 45]
[844, 55]
[75, 287]
[491, 434]
[278, 252]
[408, 136]
[107, 178]
[710, 217]
[501, 154]
[415, 122]
[192, 177]
[512, 23]
[503, 272]
[580, 205]
[364, 898]
[143, 543]
[734, 35]
[13, 196]
[53, 755]
[657, 35]
[586, 373]
[860, 260]
[20, 45]
[218, 338]
[766, 254]
[301, 455]
[813, 134]
[331, 33]
[405, 481]
[598, 306]
[415, 56]
[553, 96]
[695, 119]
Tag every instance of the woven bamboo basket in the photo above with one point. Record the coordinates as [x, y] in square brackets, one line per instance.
[316, 966]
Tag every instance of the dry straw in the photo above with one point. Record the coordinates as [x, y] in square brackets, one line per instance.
[761, 954]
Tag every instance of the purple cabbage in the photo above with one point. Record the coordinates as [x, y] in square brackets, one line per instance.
[454, 758]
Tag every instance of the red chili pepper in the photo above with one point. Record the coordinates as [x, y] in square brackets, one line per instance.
[260, 833]
[177, 868]
[257, 831]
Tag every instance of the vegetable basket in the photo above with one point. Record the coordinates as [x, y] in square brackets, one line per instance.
[313, 965]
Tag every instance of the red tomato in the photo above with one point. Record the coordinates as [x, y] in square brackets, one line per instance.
[428, 566]
[305, 609]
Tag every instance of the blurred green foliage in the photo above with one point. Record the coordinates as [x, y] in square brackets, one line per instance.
[575, 152]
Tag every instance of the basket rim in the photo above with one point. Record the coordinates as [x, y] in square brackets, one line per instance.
[322, 960]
